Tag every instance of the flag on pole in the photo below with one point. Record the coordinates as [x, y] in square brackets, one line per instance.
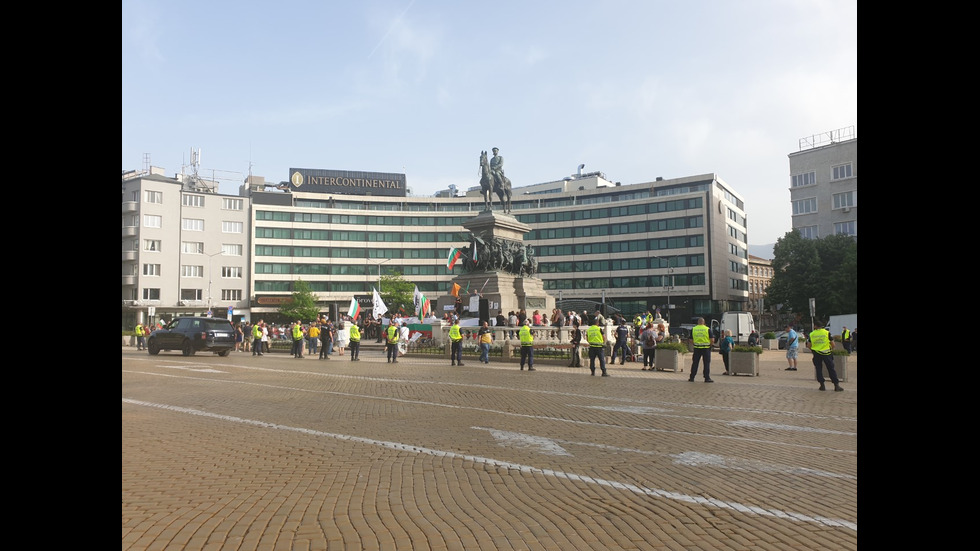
[455, 291]
[355, 309]
[454, 255]
[474, 249]
[377, 304]
[484, 285]
[422, 304]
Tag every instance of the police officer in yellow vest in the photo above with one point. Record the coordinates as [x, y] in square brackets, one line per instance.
[845, 339]
[821, 347]
[355, 342]
[597, 347]
[456, 350]
[257, 339]
[527, 345]
[297, 339]
[701, 339]
[140, 336]
[391, 340]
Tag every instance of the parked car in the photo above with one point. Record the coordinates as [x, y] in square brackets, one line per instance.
[193, 334]
[781, 339]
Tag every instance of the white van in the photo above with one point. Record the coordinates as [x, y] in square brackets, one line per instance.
[741, 324]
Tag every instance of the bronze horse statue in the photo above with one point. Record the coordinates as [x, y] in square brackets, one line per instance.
[488, 186]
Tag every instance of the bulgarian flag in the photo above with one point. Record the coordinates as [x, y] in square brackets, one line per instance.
[454, 255]
[474, 251]
[355, 309]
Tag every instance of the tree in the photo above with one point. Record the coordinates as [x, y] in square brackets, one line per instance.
[398, 294]
[824, 269]
[302, 305]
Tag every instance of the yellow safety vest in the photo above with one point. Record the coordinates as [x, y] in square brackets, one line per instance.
[454, 333]
[594, 336]
[845, 336]
[699, 334]
[527, 339]
[355, 334]
[256, 332]
[297, 332]
[820, 342]
[392, 334]
[139, 330]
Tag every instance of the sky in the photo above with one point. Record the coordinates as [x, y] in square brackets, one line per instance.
[635, 89]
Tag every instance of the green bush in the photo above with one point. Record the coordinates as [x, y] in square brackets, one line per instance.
[839, 352]
[678, 346]
[769, 335]
[744, 348]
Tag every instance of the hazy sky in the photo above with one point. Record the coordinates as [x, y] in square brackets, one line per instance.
[635, 89]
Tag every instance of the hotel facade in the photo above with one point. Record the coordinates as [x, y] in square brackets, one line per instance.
[599, 245]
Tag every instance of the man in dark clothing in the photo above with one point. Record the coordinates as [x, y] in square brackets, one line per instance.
[622, 342]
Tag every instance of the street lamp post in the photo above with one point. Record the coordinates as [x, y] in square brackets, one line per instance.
[668, 284]
[379, 273]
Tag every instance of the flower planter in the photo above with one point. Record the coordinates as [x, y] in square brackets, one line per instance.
[668, 360]
[744, 363]
[770, 344]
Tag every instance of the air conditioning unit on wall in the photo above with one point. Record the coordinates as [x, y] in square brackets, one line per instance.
[846, 209]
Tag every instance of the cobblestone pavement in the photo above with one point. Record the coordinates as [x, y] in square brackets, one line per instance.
[277, 453]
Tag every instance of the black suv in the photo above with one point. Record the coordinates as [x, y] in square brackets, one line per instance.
[190, 335]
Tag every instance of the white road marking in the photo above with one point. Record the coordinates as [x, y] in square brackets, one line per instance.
[543, 445]
[652, 492]
[510, 413]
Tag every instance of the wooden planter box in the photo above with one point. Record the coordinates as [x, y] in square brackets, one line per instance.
[668, 360]
[840, 366]
[744, 363]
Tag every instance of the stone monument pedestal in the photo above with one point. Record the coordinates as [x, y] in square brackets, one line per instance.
[506, 289]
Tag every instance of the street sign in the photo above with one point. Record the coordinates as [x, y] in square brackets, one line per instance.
[813, 307]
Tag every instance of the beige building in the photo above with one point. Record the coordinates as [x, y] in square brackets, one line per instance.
[760, 274]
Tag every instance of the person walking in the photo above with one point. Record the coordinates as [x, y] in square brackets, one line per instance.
[527, 345]
[257, 338]
[597, 347]
[141, 337]
[576, 343]
[701, 339]
[391, 340]
[355, 342]
[486, 339]
[792, 347]
[821, 347]
[622, 342]
[648, 340]
[456, 348]
[725, 348]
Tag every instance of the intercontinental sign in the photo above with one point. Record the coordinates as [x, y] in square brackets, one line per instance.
[347, 182]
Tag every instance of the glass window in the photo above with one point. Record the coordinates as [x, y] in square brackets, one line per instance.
[808, 232]
[805, 206]
[192, 271]
[231, 294]
[231, 227]
[845, 199]
[152, 196]
[192, 224]
[151, 269]
[804, 179]
[845, 228]
[842, 171]
[191, 294]
[192, 200]
[151, 245]
[192, 247]
[231, 271]
[231, 249]
[152, 221]
[151, 294]
[228, 203]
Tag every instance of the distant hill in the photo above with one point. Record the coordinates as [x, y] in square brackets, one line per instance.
[762, 251]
